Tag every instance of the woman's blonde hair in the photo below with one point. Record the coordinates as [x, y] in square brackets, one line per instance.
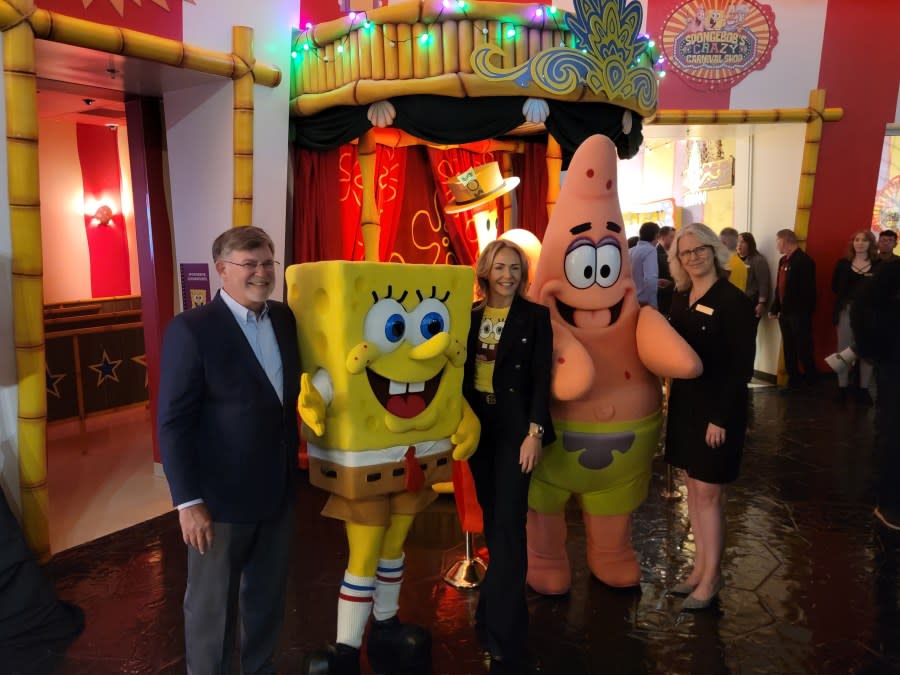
[706, 237]
[486, 262]
[873, 245]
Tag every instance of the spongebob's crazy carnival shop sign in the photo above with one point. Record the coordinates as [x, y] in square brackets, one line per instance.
[714, 44]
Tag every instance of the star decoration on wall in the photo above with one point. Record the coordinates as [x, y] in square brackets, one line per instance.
[142, 360]
[106, 369]
[53, 380]
[119, 5]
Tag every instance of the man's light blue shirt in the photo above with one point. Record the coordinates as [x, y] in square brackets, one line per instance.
[645, 270]
[261, 335]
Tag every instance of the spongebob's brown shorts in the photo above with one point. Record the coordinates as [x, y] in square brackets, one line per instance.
[378, 510]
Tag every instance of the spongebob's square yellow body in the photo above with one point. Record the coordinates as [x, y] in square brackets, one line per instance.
[389, 341]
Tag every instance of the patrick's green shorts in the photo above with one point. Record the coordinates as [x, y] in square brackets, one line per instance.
[607, 466]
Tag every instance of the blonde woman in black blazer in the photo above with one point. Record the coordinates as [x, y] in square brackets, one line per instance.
[507, 383]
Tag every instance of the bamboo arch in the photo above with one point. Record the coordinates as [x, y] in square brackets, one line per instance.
[813, 116]
[21, 22]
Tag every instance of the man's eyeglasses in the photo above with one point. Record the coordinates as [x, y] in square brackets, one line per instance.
[698, 252]
[252, 265]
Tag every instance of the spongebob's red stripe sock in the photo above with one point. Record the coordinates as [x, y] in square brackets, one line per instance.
[388, 579]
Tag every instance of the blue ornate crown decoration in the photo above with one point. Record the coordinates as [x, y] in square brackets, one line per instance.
[610, 58]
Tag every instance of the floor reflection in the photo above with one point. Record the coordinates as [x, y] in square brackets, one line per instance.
[812, 581]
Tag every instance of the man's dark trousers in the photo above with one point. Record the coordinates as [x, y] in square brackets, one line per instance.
[796, 335]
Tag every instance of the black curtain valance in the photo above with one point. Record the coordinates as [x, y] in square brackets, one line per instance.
[451, 121]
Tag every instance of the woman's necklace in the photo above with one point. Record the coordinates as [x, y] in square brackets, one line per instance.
[863, 268]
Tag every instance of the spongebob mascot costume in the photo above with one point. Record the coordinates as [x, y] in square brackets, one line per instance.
[608, 355]
[382, 349]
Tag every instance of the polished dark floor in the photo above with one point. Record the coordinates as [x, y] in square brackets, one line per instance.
[813, 580]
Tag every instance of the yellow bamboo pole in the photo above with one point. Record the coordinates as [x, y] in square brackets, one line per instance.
[814, 124]
[770, 116]
[113, 40]
[506, 170]
[449, 47]
[369, 221]
[554, 169]
[242, 205]
[809, 164]
[27, 270]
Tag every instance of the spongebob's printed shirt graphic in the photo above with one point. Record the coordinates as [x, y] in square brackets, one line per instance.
[384, 346]
[492, 322]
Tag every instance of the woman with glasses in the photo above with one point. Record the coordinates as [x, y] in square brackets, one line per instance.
[707, 416]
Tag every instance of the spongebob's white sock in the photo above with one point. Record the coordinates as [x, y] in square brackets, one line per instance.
[354, 607]
[388, 579]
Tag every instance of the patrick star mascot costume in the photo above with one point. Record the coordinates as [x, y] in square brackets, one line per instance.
[609, 354]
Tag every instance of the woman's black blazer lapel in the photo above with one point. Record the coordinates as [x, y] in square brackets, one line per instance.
[515, 327]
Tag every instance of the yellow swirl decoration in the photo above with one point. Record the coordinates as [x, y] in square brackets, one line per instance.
[481, 64]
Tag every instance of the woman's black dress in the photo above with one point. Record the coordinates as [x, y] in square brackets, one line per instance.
[720, 327]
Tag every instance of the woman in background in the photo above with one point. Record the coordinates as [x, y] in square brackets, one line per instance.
[707, 417]
[507, 383]
[859, 263]
[759, 280]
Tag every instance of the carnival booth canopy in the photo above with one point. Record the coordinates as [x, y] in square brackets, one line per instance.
[471, 82]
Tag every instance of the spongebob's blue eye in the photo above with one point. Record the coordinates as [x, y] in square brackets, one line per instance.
[432, 324]
[385, 324]
[431, 317]
[394, 328]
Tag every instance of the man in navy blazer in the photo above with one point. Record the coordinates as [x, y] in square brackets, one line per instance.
[228, 438]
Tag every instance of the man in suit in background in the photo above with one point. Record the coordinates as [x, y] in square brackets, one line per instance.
[666, 283]
[228, 437]
[793, 306]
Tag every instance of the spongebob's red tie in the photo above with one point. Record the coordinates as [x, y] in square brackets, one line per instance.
[415, 479]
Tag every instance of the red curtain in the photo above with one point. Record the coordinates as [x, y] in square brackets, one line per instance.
[317, 223]
[531, 195]
[390, 168]
[411, 193]
[445, 164]
[422, 235]
[350, 190]
[98, 154]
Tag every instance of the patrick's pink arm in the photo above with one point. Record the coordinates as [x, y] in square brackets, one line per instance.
[662, 350]
[573, 367]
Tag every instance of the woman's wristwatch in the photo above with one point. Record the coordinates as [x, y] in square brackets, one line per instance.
[536, 430]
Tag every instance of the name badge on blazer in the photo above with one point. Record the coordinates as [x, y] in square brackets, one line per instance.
[709, 311]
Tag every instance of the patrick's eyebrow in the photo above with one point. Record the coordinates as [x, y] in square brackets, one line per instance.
[578, 229]
[613, 227]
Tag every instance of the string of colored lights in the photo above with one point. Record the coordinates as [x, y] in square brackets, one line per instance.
[541, 11]
[424, 38]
